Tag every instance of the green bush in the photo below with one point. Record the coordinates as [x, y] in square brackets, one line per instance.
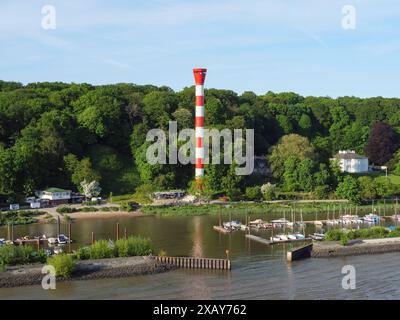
[253, 193]
[344, 239]
[62, 210]
[101, 249]
[63, 264]
[13, 255]
[333, 235]
[133, 246]
[83, 253]
[89, 209]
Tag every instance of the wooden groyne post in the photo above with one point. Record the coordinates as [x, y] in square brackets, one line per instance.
[196, 263]
[300, 253]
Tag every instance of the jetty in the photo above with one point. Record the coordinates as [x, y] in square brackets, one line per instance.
[326, 249]
[300, 253]
[195, 263]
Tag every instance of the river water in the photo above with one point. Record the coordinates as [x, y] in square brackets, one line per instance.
[258, 271]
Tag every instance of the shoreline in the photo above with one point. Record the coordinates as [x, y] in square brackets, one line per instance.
[103, 215]
[330, 249]
[27, 275]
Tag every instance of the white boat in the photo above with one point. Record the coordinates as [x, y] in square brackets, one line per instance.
[292, 237]
[371, 218]
[62, 239]
[276, 239]
[280, 221]
[52, 240]
[256, 222]
[317, 236]
[283, 237]
[299, 236]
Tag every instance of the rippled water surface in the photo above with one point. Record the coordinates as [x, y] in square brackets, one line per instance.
[258, 271]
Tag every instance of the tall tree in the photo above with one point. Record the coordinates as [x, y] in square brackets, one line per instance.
[382, 143]
[289, 145]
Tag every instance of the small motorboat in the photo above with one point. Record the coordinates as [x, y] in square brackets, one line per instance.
[62, 239]
[291, 237]
[317, 236]
[371, 218]
[256, 222]
[276, 239]
[299, 236]
[283, 237]
[52, 240]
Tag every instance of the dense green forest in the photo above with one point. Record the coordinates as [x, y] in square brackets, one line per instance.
[58, 134]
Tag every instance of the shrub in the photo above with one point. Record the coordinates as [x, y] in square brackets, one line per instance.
[83, 253]
[63, 264]
[126, 207]
[89, 209]
[344, 239]
[121, 248]
[101, 249]
[13, 255]
[62, 210]
[253, 193]
[334, 235]
[321, 192]
[133, 246]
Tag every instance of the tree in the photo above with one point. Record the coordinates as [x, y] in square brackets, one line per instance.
[385, 188]
[305, 175]
[80, 170]
[268, 191]
[367, 188]
[290, 177]
[349, 189]
[322, 177]
[253, 193]
[289, 145]
[232, 183]
[91, 189]
[382, 143]
[305, 124]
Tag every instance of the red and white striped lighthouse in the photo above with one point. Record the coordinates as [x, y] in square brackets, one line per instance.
[199, 77]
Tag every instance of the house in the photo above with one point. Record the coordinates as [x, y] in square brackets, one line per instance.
[54, 196]
[351, 162]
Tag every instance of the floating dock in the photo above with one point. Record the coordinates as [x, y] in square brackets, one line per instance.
[266, 241]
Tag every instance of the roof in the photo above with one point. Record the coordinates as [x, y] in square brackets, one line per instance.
[56, 190]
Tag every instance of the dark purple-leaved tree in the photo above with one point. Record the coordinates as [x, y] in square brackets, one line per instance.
[382, 143]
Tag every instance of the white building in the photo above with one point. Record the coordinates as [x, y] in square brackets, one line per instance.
[55, 196]
[351, 162]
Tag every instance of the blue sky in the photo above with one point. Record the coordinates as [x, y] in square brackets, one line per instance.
[255, 45]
